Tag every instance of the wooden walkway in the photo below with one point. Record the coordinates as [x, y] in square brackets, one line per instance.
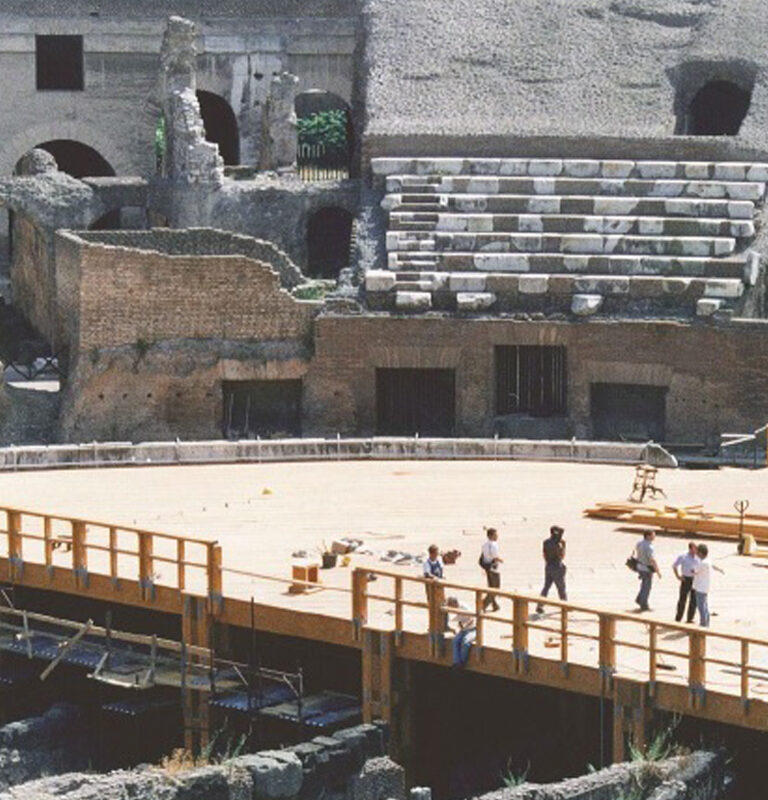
[639, 661]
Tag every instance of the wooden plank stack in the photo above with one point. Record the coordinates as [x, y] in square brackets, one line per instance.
[684, 519]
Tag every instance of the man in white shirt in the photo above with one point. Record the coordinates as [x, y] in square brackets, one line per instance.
[489, 561]
[684, 567]
[702, 578]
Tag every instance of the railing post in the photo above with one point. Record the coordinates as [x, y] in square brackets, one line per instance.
[607, 650]
[398, 609]
[520, 633]
[437, 616]
[697, 667]
[479, 623]
[79, 552]
[48, 543]
[15, 547]
[745, 674]
[113, 568]
[564, 637]
[181, 573]
[215, 576]
[653, 635]
[146, 566]
[359, 601]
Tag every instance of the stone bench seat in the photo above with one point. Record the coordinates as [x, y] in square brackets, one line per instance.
[399, 241]
[580, 295]
[616, 187]
[743, 267]
[573, 167]
[573, 223]
[638, 285]
[586, 205]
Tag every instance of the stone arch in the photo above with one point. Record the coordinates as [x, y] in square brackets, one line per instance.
[336, 152]
[220, 125]
[717, 109]
[329, 233]
[76, 159]
[25, 141]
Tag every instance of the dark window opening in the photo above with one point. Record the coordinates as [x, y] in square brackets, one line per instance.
[325, 136]
[328, 240]
[77, 159]
[531, 380]
[718, 109]
[411, 401]
[628, 412]
[128, 218]
[220, 126]
[59, 62]
[261, 408]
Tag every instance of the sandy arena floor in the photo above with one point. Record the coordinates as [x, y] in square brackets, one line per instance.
[261, 514]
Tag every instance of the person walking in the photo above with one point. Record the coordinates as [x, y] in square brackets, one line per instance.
[684, 567]
[702, 579]
[489, 562]
[646, 568]
[553, 551]
[433, 570]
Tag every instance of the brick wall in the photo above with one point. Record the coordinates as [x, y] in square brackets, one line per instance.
[128, 296]
[717, 377]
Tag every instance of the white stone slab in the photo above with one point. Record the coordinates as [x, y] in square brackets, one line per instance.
[474, 301]
[584, 305]
[533, 284]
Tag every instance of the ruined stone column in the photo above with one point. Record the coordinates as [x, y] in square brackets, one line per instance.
[279, 132]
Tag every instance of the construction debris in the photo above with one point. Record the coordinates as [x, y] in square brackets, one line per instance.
[684, 519]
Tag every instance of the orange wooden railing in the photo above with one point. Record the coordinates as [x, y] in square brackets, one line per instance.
[390, 590]
[126, 552]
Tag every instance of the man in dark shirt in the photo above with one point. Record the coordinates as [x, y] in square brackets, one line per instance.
[554, 566]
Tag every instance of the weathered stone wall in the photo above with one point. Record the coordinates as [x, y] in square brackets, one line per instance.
[33, 280]
[546, 68]
[50, 744]
[348, 765]
[172, 389]
[697, 776]
[716, 375]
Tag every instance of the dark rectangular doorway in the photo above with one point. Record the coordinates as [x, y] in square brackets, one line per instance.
[410, 401]
[261, 408]
[628, 412]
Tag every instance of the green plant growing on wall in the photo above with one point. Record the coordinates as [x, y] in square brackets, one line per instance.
[325, 128]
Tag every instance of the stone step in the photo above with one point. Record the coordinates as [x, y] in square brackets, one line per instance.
[574, 223]
[573, 167]
[572, 243]
[732, 190]
[689, 289]
[743, 267]
[585, 205]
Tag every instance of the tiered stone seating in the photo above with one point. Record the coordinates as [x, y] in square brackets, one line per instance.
[586, 236]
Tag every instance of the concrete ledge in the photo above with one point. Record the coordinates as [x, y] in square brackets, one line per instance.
[107, 454]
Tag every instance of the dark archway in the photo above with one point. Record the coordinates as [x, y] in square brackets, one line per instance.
[129, 218]
[220, 126]
[325, 135]
[328, 238]
[718, 109]
[77, 159]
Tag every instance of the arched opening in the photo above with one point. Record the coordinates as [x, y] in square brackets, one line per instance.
[718, 109]
[220, 125]
[128, 218]
[77, 159]
[328, 237]
[325, 136]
